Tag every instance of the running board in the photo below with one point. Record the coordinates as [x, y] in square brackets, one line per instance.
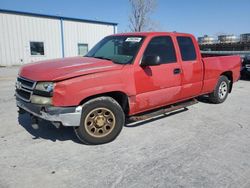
[161, 111]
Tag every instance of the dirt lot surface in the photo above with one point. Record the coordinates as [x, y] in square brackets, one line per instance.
[205, 146]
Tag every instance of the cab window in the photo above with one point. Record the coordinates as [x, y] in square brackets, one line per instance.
[163, 47]
[187, 48]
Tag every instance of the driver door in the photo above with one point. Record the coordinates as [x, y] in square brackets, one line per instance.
[158, 85]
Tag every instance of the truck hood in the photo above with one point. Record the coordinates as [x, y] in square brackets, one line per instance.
[61, 69]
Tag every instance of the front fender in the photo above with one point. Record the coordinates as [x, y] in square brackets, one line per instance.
[71, 92]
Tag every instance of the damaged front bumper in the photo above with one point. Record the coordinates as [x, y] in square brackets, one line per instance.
[67, 116]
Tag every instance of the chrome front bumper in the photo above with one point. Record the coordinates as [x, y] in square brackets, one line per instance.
[67, 116]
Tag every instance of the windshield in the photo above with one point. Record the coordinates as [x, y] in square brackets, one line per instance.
[119, 49]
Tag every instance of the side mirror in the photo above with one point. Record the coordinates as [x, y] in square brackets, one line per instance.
[150, 60]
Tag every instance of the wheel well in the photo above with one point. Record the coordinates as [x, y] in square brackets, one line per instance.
[229, 75]
[119, 96]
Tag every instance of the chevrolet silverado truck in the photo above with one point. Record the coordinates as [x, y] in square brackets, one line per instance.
[121, 77]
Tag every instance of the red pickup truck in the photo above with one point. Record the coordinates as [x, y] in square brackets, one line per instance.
[122, 76]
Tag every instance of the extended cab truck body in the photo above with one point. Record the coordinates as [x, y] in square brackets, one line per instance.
[123, 75]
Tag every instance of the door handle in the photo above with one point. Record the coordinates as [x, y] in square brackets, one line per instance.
[177, 71]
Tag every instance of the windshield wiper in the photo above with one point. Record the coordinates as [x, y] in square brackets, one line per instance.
[101, 57]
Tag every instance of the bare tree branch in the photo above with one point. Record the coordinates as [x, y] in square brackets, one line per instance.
[139, 20]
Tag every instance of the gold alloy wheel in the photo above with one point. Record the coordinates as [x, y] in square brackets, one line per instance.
[99, 122]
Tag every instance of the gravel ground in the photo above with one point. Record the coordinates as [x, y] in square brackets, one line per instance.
[205, 146]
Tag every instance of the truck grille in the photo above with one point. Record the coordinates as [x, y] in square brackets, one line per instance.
[23, 94]
[24, 88]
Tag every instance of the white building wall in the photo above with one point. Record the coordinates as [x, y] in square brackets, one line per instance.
[16, 32]
[86, 33]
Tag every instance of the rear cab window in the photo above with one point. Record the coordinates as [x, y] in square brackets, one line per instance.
[163, 47]
[187, 49]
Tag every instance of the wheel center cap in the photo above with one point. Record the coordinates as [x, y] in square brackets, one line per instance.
[100, 121]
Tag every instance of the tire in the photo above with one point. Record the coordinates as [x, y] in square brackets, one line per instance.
[221, 91]
[101, 121]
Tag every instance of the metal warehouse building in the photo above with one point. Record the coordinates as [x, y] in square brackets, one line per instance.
[27, 37]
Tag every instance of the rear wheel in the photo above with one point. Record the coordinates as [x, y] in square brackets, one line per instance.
[101, 122]
[221, 91]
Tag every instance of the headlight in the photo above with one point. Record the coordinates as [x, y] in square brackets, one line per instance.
[43, 93]
[45, 86]
[40, 100]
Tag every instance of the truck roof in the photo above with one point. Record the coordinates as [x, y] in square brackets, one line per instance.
[151, 34]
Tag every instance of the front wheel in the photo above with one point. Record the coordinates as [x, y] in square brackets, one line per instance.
[101, 122]
[221, 91]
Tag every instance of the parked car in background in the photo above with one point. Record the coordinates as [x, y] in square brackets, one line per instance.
[123, 76]
[245, 71]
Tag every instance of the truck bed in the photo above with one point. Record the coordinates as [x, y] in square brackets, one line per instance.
[213, 66]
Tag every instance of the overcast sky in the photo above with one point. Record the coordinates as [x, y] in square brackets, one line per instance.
[198, 17]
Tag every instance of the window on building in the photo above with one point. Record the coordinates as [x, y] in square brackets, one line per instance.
[36, 48]
[82, 49]
[162, 47]
[187, 48]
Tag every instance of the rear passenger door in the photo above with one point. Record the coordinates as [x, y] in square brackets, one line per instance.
[192, 74]
[158, 85]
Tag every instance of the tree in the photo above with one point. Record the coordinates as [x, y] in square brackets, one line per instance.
[139, 20]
